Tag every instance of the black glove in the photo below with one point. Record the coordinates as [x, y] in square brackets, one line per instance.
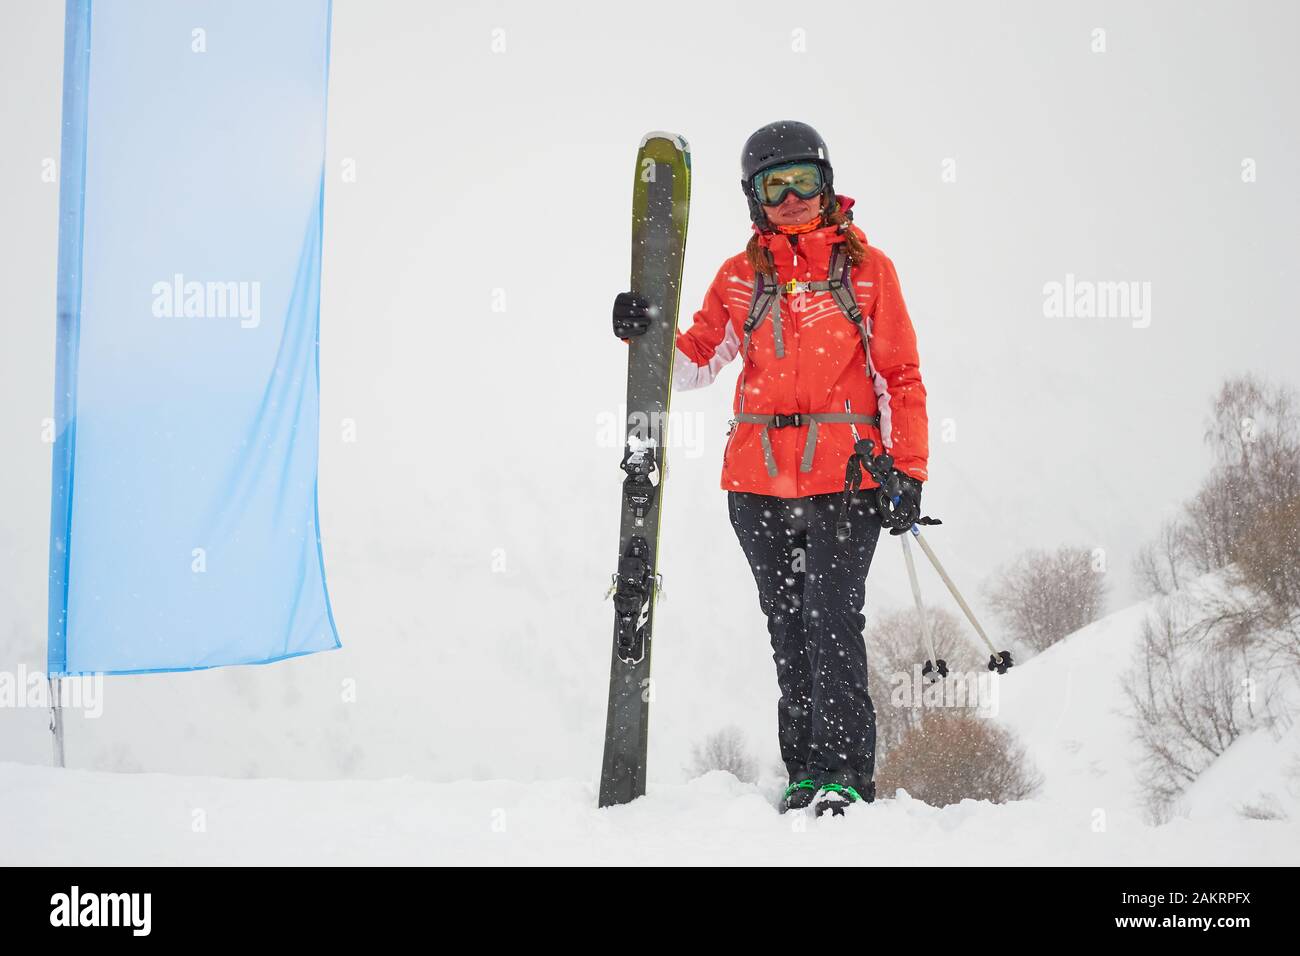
[899, 515]
[631, 315]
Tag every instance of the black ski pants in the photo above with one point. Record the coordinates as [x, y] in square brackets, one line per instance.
[812, 589]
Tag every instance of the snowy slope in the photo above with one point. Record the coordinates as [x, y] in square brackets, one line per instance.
[1069, 710]
[1260, 772]
[1065, 704]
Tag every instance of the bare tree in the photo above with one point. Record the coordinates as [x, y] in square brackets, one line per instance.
[1254, 427]
[724, 749]
[1161, 564]
[1254, 435]
[1214, 521]
[1043, 596]
[1254, 431]
[950, 757]
[896, 647]
[895, 641]
[1244, 511]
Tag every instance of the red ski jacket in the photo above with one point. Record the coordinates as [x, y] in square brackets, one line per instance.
[822, 368]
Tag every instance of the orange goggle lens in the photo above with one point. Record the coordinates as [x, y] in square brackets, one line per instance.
[771, 186]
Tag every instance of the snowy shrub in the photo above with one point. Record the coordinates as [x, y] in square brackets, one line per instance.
[724, 749]
[1266, 807]
[1044, 595]
[1268, 558]
[949, 757]
[895, 647]
[1199, 682]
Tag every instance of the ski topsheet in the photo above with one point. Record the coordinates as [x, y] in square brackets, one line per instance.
[660, 206]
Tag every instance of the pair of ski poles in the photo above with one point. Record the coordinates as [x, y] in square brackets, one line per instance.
[881, 468]
[998, 660]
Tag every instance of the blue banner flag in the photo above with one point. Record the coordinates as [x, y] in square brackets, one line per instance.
[184, 526]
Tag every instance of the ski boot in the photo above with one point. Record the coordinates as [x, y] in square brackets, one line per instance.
[835, 798]
[799, 795]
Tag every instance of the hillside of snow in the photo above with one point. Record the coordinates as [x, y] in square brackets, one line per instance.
[1065, 704]
[1069, 709]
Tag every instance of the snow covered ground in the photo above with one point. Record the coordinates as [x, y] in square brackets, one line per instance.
[1064, 704]
[89, 818]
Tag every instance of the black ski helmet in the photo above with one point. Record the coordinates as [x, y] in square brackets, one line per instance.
[785, 141]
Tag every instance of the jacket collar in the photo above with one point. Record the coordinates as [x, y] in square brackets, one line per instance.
[814, 246]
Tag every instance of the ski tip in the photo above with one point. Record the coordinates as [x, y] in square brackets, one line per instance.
[677, 140]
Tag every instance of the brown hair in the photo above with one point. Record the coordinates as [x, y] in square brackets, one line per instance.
[761, 260]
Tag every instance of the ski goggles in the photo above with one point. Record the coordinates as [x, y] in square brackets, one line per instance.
[771, 186]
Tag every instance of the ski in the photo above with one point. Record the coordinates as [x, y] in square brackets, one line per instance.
[660, 206]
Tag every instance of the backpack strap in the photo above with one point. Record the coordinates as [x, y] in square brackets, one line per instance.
[763, 297]
[839, 283]
[841, 290]
[766, 297]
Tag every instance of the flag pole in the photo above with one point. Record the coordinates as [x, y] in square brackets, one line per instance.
[72, 204]
[56, 719]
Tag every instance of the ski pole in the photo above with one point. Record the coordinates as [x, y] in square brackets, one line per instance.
[881, 468]
[998, 661]
[939, 666]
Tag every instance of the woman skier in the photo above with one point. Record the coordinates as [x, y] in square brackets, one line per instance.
[828, 357]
